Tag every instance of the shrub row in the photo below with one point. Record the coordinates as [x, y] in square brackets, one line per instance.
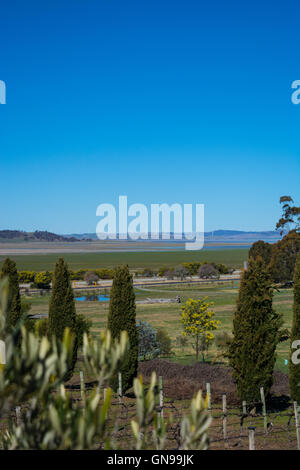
[30, 276]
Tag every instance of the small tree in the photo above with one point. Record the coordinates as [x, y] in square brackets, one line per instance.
[162, 271]
[122, 317]
[169, 274]
[14, 309]
[198, 323]
[207, 271]
[148, 345]
[222, 268]
[192, 268]
[294, 369]
[164, 342]
[181, 272]
[181, 342]
[90, 278]
[290, 215]
[42, 280]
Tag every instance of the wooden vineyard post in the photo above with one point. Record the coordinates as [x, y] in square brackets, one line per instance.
[82, 387]
[244, 415]
[161, 396]
[251, 434]
[297, 424]
[208, 393]
[18, 415]
[224, 406]
[264, 410]
[120, 387]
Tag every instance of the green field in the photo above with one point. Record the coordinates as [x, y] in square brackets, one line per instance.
[167, 316]
[135, 260]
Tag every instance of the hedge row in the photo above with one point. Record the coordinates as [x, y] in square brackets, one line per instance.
[191, 269]
[29, 276]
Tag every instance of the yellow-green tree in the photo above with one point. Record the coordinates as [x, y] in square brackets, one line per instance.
[42, 280]
[198, 323]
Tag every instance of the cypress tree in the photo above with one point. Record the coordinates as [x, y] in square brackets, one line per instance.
[262, 249]
[62, 313]
[122, 316]
[256, 330]
[14, 312]
[294, 369]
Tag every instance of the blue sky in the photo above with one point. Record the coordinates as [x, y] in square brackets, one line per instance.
[162, 101]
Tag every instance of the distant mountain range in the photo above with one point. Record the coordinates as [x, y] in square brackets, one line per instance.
[240, 235]
[214, 236]
[38, 236]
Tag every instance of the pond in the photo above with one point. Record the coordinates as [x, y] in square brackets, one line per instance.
[93, 298]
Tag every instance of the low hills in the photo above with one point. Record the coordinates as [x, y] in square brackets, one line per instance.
[38, 235]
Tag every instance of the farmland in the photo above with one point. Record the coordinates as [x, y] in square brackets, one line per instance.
[135, 260]
[182, 377]
[166, 316]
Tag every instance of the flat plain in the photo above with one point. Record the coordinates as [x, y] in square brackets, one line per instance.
[136, 260]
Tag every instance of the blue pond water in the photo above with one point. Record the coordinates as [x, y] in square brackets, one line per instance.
[93, 298]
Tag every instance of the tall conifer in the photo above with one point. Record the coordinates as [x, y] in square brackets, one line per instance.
[14, 313]
[294, 369]
[62, 312]
[122, 316]
[256, 330]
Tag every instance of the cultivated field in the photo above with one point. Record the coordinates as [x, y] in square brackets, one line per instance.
[135, 260]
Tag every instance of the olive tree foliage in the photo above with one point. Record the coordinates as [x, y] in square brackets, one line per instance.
[193, 427]
[35, 369]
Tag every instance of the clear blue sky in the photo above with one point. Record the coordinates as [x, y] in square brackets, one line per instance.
[163, 101]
